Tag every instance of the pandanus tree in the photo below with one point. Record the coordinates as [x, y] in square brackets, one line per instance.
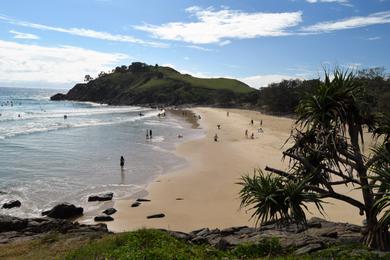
[326, 151]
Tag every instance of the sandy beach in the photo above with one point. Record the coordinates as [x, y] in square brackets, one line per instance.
[205, 193]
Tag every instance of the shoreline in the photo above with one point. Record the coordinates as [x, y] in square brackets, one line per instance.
[204, 193]
[206, 188]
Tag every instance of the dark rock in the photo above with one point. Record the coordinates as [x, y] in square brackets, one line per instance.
[308, 249]
[64, 211]
[160, 215]
[17, 229]
[331, 234]
[135, 204]
[143, 200]
[58, 96]
[2, 192]
[199, 240]
[222, 244]
[8, 223]
[204, 232]
[109, 211]
[180, 235]
[101, 197]
[179, 199]
[103, 218]
[12, 204]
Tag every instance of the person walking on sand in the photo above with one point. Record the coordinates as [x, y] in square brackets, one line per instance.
[261, 122]
[219, 126]
[147, 134]
[252, 136]
[252, 122]
[246, 133]
[122, 161]
[227, 113]
[215, 138]
[150, 134]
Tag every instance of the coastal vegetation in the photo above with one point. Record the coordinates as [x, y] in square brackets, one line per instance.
[156, 244]
[327, 151]
[142, 84]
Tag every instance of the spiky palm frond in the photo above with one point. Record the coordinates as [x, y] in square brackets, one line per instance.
[273, 198]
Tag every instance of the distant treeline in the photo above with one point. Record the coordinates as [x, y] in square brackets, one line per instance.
[282, 98]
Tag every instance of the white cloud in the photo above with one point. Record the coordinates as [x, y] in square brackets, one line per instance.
[196, 47]
[259, 81]
[226, 42]
[350, 23]
[24, 36]
[61, 64]
[374, 38]
[215, 26]
[82, 32]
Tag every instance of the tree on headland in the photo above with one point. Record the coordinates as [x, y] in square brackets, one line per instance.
[326, 152]
[87, 78]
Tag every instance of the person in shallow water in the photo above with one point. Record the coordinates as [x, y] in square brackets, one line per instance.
[150, 133]
[122, 161]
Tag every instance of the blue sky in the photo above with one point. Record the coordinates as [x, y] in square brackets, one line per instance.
[55, 43]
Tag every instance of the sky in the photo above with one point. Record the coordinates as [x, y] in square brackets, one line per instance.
[53, 44]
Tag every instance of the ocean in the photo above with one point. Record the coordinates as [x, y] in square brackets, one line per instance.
[46, 159]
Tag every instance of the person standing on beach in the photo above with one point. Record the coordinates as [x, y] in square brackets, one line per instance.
[252, 122]
[147, 134]
[261, 122]
[122, 161]
[227, 113]
[215, 138]
[246, 133]
[150, 133]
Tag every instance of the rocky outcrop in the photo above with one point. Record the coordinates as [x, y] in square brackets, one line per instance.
[18, 229]
[12, 204]
[64, 211]
[58, 97]
[101, 197]
[318, 234]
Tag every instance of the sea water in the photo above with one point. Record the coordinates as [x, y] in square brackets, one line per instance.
[46, 159]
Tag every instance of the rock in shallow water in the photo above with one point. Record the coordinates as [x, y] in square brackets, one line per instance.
[64, 211]
[12, 204]
[101, 197]
[103, 218]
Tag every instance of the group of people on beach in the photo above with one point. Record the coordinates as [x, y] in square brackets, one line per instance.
[259, 130]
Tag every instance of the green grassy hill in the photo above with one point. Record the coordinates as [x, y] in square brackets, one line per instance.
[140, 83]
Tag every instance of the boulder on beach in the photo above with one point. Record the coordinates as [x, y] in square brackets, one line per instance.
[109, 211]
[160, 215]
[103, 218]
[101, 197]
[12, 204]
[143, 200]
[64, 211]
[135, 204]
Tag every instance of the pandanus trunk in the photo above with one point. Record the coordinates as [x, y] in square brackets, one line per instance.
[376, 236]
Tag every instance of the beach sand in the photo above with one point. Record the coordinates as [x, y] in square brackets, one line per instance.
[207, 188]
